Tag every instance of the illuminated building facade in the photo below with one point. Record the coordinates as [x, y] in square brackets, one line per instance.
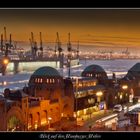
[49, 98]
[89, 96]
[46, 102]
[95, 71]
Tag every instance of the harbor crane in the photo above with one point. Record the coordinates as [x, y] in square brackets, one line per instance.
[59, 48]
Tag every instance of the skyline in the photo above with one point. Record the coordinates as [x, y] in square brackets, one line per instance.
[100, 27]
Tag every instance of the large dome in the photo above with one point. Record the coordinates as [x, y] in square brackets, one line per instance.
[94, 68]
[46, 71]
[95, 71]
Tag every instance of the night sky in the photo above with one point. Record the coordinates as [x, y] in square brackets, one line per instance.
[105, 27]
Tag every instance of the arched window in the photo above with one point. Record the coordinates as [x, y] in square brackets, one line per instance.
[41, 80]
[47, 80]
[35, 80]
[38, 80]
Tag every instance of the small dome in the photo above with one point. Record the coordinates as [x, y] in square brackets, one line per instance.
[94, 68]
[46, 71]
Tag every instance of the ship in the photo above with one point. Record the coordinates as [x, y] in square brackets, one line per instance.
[14, 59]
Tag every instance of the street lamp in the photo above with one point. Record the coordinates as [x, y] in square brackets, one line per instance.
[5, 61]
[125, 87]
[49, 122]
[99, 93]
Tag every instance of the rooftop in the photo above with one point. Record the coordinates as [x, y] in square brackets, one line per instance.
[135, 68]
[46, 71]
[94, 68]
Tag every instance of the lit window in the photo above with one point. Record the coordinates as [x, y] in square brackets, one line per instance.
[35, 79]
[41, 80]
[47, 80]
[50, 80]
[38, 80]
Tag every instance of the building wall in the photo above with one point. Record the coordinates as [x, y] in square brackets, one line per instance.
[2, 116]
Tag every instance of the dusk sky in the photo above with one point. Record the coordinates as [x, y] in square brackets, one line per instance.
[101, 27]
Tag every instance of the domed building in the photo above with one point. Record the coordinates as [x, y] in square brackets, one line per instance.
[95, 71]
[48, 85]
[46, 82]
[134, 72]
[44, 103]
[133, 79]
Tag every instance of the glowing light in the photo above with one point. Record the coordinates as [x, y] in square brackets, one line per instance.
[124, 87]
[35, 126]
[4, 83]
[99, 93]
[43, 122]
[49, 118]
[62, 114]
[5, 61]
[121, 96]
[29, 126]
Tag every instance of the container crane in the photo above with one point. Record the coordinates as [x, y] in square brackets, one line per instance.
[58, 44]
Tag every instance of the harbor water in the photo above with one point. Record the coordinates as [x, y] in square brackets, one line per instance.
[119, 67]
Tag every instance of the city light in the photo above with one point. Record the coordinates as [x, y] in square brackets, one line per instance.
[99, 93]
[125, 87]
[49, 118]
[5, 61]
[49, 122]
[4, 83]
[43, 122]
[36, 126]
[121, 96]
